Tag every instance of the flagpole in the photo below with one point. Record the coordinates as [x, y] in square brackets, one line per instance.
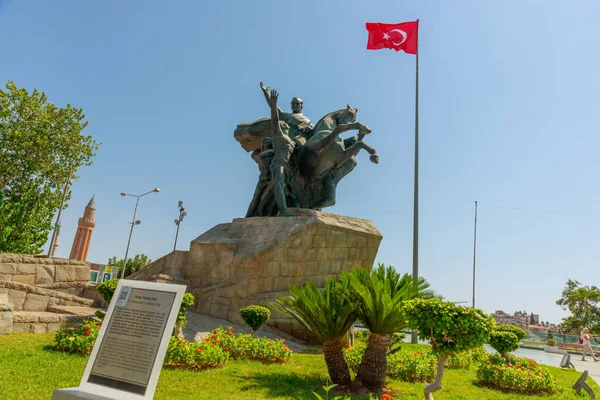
[415, 271]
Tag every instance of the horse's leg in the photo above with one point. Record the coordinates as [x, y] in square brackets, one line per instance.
[371, 150]
[318, 145]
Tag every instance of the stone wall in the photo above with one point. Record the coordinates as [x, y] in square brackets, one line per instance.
[6, 315]
[42, 271]
[254, 260]
[26, 297]
[168, 268]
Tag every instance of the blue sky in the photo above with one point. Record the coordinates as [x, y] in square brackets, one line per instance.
[508, 109]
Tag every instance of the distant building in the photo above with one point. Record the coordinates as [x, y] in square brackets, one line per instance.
[519, 318]
[538, 328]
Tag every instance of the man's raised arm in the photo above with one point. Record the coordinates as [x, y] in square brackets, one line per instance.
[274, 113]
[265, 91]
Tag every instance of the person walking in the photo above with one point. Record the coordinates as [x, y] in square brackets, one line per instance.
[587, 344]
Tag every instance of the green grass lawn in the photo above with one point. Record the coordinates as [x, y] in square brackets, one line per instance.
[30, 369]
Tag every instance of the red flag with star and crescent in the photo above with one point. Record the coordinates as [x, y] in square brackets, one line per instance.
[403, 36]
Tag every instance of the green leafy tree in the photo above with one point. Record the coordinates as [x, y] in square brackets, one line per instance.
[582, 303]
[380, 295]
[519, 332]
[41, 147]
[504, 342]
[450, 329]
[134, 264]
[326, 313]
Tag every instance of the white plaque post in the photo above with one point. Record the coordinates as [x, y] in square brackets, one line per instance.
[130, 349]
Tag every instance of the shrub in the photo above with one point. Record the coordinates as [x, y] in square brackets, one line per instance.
[107, 289]
[516, 374]
[78, 340]
[353, 355]
[504, 342]
[551, 342]
[479, 354]
[412, 366]
[255, 316]
[405, 365]
[249, 347]
[181, 322]
[192, 355]
[460, 360]
[518, 332]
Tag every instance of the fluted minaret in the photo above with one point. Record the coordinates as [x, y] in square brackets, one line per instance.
[83, 237]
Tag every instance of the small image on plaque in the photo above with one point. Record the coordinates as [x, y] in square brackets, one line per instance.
[123, 296]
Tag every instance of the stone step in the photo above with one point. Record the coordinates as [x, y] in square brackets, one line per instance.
[45, 322]
[74, 310]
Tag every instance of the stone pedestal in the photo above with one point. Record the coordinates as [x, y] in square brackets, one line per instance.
[255, 260]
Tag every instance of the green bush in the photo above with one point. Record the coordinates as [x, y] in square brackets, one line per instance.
[504, 342]
[246, 346]
[192, 355]
[255, 316]
[460, 360]
[412, 366]
[107, 289]
[77, 340]
[551, 342]
[181, 322]
[353, 355]
[516, 374]
[479, 354]
[405, 365]
[518, 332]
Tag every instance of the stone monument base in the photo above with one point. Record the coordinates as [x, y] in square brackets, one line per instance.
[252, 261]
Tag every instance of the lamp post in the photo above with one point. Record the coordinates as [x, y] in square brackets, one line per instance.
[133, 223]
[182, 215]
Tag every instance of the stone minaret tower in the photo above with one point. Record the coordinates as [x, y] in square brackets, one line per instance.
[85, 226]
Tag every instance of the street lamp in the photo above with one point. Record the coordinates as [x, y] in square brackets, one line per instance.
[182, 215]
[133, 223]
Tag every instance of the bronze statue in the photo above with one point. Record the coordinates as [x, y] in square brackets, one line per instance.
[307, 162]
[299, 124]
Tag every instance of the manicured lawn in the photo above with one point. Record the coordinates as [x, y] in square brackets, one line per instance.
[30, 369]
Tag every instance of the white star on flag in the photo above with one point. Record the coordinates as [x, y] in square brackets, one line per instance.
[386, 36]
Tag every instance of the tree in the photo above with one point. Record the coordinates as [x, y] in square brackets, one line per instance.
[582, 302]
[133, 264]
[41, 146]
[450, 329]
[326, 313]
[380, 296]
[519, 332]
[531, 319]
[504, 342]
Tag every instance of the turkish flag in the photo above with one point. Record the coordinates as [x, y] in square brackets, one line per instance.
[403, 36]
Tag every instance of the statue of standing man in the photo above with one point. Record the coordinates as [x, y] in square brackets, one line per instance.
[283, 173]
[300, 125]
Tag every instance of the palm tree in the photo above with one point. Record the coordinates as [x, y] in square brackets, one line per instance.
[326, 313]
[380, 296]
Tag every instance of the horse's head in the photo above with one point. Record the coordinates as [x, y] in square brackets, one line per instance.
[347, 115]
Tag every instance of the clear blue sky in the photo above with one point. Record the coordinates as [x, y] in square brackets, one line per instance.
[508, 108]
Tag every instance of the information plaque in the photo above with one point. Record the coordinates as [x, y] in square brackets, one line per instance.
[127, 357]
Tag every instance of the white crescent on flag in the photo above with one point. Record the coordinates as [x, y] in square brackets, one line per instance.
[404, 36]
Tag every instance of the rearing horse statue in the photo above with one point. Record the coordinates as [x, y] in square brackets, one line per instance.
[325, 158]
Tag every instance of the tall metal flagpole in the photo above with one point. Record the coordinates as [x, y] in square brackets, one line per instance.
[474, 251]
[415, 271]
